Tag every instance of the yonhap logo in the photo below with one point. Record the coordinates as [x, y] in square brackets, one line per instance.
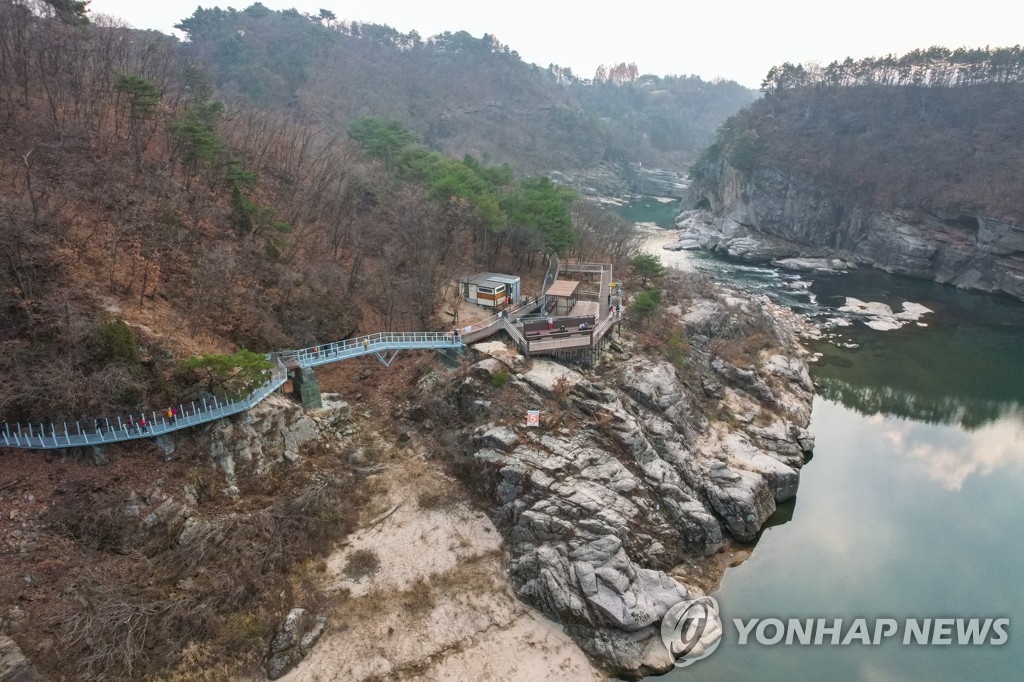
[691, 630]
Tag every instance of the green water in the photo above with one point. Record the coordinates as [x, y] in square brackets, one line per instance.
[911, 506]
[650, 210]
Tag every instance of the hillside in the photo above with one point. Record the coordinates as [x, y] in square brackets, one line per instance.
[151, 229]
[147, 219]
[461, 94]
[909, 164]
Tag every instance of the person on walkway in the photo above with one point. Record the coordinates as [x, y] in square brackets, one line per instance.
[561, 328]
[551, 324]
[98, 426]
[175, 412]
[131, 423]
[366, 344]
[142, 423]
[609, 298]
[170, 415]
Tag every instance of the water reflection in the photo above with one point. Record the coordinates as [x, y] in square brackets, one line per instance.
[968, 413]
[949, 455]
[895, 518]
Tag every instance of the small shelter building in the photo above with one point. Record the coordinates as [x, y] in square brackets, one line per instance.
[489, 289]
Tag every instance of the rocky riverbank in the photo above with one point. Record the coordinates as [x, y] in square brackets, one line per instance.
[767, 216]
[640, 467]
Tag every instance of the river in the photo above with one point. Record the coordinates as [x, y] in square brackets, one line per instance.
[910, 507]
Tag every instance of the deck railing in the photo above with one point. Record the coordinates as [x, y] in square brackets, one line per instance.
[116, 429]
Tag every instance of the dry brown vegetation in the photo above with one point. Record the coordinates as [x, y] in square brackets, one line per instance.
[252, 228]
[225, 584]
[361, 563]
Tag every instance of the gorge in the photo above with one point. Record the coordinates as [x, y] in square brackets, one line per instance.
[913, 178]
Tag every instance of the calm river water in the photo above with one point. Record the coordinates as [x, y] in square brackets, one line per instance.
[912, 504]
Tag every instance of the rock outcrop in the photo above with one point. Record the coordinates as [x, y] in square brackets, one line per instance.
[634, 478]
[276, 430]
[14, 667]
[298, 634]
[767, 215]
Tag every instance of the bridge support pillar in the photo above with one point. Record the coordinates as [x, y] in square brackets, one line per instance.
[451, 358]
[307, 388]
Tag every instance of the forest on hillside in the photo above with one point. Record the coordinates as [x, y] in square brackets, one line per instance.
[935, 129]
[461, 94]
[147, 216]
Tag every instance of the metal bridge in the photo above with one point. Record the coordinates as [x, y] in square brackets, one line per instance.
[383, 345]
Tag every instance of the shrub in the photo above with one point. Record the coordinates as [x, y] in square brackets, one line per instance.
[499, 379]
[436, 499]
[562, 389]
[648, 267]
[677, 348]
[645, 304]
[115, 342]
[361, 563]
[419, 599]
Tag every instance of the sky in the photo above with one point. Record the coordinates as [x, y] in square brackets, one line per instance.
[739, 40]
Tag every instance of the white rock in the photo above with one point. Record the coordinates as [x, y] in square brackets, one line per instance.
[544, 374]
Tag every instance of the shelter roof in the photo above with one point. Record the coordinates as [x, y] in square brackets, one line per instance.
[562, 288]
[489, 279]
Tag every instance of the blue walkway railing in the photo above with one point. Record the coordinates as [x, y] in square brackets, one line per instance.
[114, 430]
[384, 345]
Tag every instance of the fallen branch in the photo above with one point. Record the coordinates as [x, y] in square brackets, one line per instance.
[11, 484]
[383, 517]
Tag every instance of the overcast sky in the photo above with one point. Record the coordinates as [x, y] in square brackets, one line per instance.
[739, 40]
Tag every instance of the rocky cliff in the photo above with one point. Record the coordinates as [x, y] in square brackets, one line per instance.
[639, 467]
[767, 214]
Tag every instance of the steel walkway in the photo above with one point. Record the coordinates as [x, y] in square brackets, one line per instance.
[384, 346]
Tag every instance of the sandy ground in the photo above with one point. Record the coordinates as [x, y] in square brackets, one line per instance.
[471, 313]
[439, 607]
